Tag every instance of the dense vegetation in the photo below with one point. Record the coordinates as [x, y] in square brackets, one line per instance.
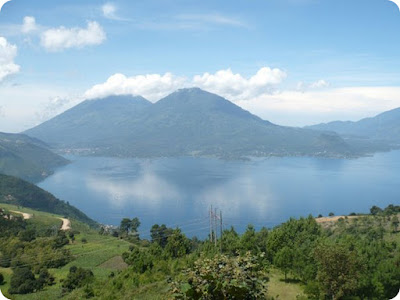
[19, 192]
[352, 258]
[27, 158]
[187, 122]
[29, 249]
[356, 258]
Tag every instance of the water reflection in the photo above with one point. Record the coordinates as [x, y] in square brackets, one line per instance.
[178, 191]
[149, 189]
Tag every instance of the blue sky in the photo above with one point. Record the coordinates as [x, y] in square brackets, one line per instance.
[294, 62]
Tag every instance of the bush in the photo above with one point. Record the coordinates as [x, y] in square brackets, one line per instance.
[22, 281]
[77, 277]
[1, 279]
[331, 214]
[84, 240]
[222, 278]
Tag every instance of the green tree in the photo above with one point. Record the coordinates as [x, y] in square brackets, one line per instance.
[45, 278]
[22, 281]
[77, 277]
[338, 269]
[284, 260]
[395, 223]
[126, 225]
[140, 260]
[159, 234]
[375, 210]
[135, 224]
[178, 244]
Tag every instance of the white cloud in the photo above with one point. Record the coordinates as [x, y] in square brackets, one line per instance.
[236, 87]
[299, 108]
[58, 39]
[109, 11]
[218, 19]
[148, 189]
[29, 25]
[150, 86]
[319, 84]
[8, 52]
[224, 82]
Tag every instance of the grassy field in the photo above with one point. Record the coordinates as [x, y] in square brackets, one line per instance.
[279, 289]
[90, 250]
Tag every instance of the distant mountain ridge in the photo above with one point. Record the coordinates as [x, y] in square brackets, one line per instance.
[385, 127]
[87, 122]
[186, 122]
[27, 157]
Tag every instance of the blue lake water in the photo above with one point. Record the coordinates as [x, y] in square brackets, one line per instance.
[264, 192]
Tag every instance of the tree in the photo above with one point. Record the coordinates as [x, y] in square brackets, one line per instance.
[395, 223]
[22, 281]
[178, 244]
[45, 278]
[284, 260]
[375, 210]
[77, 277]
[331, 214]
[249, 240]
[159, 234]
[140, 260]
[135, 223]
[71, 235]
[338, 269]
[60, 240]
[126, 225]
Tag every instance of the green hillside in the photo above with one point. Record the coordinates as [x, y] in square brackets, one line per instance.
[19, 192]
[27, 158]
[349, 258]
[87, 248]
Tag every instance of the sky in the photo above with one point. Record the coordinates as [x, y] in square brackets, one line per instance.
[292, 62]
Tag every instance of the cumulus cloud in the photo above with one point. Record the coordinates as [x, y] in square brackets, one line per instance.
[236, 87]
[8, 52]
[58, 39]
[150, 86]
[224, 82]
[29, 25]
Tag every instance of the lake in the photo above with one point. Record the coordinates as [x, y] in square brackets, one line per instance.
[264, 192]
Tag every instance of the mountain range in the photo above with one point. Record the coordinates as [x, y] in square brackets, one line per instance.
[187, 122]
[384, 127]
[27, 157]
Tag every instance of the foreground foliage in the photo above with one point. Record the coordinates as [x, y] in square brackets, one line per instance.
[222, 277]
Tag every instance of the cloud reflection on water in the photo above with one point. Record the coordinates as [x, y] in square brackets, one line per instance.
[149, 190]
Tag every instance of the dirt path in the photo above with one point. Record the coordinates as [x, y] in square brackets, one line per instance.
[333, 219]
[66, 225]
[26, 216]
